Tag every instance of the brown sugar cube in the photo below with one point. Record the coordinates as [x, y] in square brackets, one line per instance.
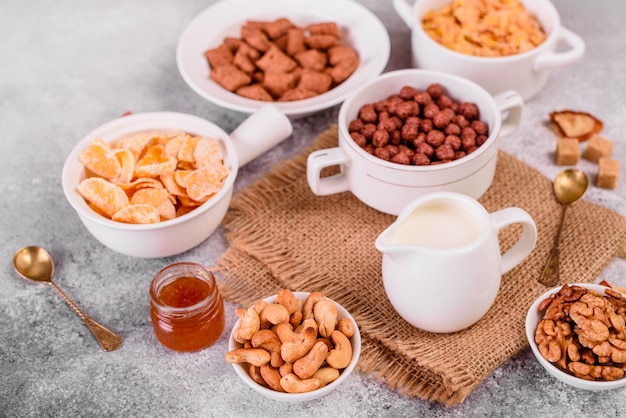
[278, 28]
[598, 147]
[321, 41]
[254, 92]
[255, 37]
[295, 41]
[567, 151]
[608, 172]
[277, 83]
[275, 60]
[324, 28]
[312, 59]
[229, 77]
[315, 81]
[219, 55]
[296, 94]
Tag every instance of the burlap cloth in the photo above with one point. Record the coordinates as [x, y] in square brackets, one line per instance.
[284, 236]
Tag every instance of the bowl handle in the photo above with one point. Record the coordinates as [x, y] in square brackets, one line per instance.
[404, 11]
[510, 104]
[262, 130]
[320, 159]
[559, 59]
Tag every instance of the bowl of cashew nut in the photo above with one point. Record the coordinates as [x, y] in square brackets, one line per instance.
[294, 346]
[578, 334]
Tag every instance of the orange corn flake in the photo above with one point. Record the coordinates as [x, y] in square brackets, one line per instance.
[205, 182]
[104, 195]
[100, 160]
[160, 199]
[137, 214]
[151, 176]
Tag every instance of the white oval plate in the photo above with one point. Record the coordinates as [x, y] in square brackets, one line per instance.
[360, 29]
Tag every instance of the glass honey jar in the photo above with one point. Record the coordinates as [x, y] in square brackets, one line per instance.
[186, 308]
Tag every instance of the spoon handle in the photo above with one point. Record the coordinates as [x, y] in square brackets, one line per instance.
[108, 340]
[551, 272]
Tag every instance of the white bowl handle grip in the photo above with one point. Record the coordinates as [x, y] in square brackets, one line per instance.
[263, 129]
[527, 240]
[559, 59]
[404, 11]
[510, 104]
[320, 159]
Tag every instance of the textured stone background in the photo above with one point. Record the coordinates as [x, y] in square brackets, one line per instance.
[69, 66]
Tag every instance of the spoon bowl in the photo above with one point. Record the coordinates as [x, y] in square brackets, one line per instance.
[36, 264]
[569, 187]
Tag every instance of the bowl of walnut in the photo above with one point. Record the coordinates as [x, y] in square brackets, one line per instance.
[294, 346]
[302, 56]
[577, 334]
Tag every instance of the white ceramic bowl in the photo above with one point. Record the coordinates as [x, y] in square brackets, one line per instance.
[355, 340]
[389, 187]
[532, 319]
[361, 29]
[258, 133]
[525, 73]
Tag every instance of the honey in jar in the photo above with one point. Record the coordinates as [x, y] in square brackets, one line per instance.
[186, 308]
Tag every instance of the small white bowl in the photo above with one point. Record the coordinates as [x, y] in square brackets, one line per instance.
[389, 187]
[532, 319]
[360, 28]
[527, 73]
[262, 130]
[355, 340]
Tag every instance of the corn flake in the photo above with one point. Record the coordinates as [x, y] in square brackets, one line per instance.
[151, 177]
[104, 195]
[137, 214]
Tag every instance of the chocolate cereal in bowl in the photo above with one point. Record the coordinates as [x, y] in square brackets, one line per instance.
[158, 184]
[294, 346]
[411, 132]
[577, 333]
[499, 44]
[302, 56]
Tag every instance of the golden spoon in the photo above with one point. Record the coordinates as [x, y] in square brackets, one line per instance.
[569, 187]
[35, 263]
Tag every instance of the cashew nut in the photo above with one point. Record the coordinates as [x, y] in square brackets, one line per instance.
[273, 314]
[259, 305]
[272, 377]
[269, 341]
[285, 369]
[284, 332]
[256, 356]
[295, 319]
[325, 314]
[249, 323]
[326, 375]
[299, 344]
[311, 300]
[286, 298]
[255, 374]
[307, 365]
[293, 384]
[340, 356]
[346, 326]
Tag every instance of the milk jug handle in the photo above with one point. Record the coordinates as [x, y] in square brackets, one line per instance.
[527, 240]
